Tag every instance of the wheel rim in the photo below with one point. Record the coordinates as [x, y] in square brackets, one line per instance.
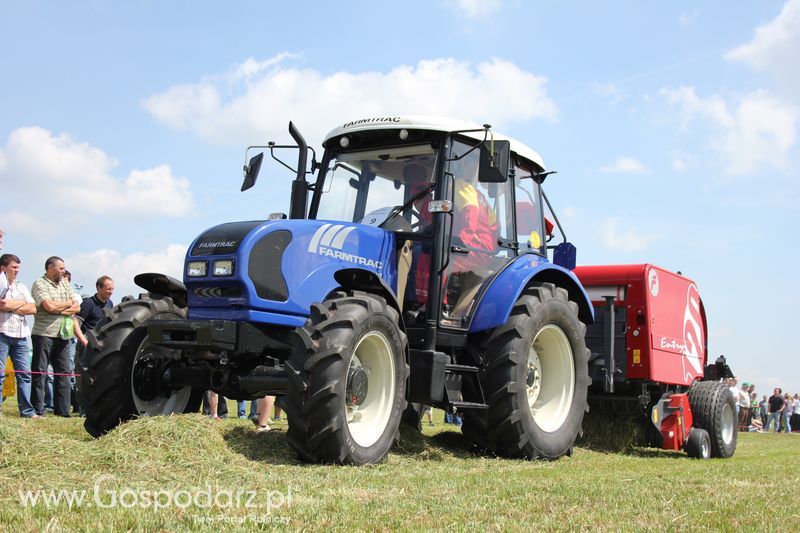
[175, 403]
[728, 423]
[551, 378]
[368, 420]
[705, 449]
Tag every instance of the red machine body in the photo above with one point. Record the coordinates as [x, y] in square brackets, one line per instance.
[665, 322]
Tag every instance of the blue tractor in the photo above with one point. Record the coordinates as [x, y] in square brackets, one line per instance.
[412, 271]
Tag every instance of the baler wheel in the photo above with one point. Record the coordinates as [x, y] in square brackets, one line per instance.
[714, 409]
[698, 444]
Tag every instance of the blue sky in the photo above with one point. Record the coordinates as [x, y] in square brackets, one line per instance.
[673, 127]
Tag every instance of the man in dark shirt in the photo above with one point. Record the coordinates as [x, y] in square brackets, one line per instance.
[776, 405]
[91, 313]
[93, 309]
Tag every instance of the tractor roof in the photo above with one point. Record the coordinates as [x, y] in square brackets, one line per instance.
[431, 123]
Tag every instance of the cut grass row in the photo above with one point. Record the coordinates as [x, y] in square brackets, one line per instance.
[430, 481]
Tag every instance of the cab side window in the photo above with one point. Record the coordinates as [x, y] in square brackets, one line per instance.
[529, 218]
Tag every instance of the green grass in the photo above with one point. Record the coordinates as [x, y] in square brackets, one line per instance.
[430, 481]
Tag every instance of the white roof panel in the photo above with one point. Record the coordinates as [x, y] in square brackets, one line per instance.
[432, 123]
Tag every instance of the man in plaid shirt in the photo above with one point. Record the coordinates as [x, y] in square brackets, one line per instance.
[52, 330]
[15, 304]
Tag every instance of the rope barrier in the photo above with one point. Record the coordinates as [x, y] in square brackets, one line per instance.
[39, 373]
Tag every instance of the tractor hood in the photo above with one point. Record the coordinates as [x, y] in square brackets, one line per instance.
[273, 271]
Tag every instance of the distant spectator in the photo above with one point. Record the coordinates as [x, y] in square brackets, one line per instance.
[788, 410]
[743, 398]
[77, 339]
[776, 405]
[735, 392]
[265, 406]
[764, 410]
[796, 413]
[213, 404]
[15, 305]
[51, 333]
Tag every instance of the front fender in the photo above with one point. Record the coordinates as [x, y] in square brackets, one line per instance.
[498, 300]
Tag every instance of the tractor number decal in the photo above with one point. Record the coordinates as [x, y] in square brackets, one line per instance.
[692, 333]
[329, 240]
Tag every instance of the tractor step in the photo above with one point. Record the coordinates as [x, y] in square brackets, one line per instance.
[469, 405]
[463, 387]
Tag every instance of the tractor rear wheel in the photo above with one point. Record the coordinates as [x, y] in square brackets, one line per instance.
[714, 409]
[537, 377]
[347, 380]
[121, 374]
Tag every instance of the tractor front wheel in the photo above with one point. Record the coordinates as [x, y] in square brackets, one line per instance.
[347, 377]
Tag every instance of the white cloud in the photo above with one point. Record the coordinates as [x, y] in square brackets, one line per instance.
[625, 240]
[678, 164]
[474, 9]
[624, 165]
[775, 48]
[19, 223]
[87, 267]
[747, 131]
[242, 108]
[59, 171]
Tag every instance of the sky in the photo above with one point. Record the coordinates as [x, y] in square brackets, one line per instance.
[673, 127]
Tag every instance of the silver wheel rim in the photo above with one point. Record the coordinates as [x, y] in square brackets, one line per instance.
[728, 423]
[705, 450]
[551, 378]
[368, 421]
[159, 406]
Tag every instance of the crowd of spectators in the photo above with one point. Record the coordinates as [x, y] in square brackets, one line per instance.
[44, 368]
[779, 412]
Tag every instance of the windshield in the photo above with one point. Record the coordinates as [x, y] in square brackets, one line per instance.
[369, 186]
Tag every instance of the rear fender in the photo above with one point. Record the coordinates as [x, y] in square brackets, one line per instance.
[498, 300]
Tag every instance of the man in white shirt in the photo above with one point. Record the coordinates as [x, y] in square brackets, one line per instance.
[15, 304]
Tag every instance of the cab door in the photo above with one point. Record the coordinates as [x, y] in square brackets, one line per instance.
[481, 241]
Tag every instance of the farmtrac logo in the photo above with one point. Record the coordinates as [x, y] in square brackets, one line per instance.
[329, 239]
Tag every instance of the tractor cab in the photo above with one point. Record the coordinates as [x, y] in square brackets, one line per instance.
[462, 203]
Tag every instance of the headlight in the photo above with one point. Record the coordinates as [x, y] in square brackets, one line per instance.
[197, 269]
[223, 267]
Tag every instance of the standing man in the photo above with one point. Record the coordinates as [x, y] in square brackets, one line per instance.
[91, 313]
[14, 331]
[93, 309]
[53, 327]
[776, 405]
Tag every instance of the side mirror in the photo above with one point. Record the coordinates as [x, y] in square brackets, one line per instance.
[251, 171]
[494, 162]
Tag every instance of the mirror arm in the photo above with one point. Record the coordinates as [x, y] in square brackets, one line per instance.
[552, 212]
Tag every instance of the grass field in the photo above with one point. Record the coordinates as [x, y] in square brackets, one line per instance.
[190, 472]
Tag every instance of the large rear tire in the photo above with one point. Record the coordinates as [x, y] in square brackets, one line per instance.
[115, 382]
[347, 380]
[536, 378]
[714, 409]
